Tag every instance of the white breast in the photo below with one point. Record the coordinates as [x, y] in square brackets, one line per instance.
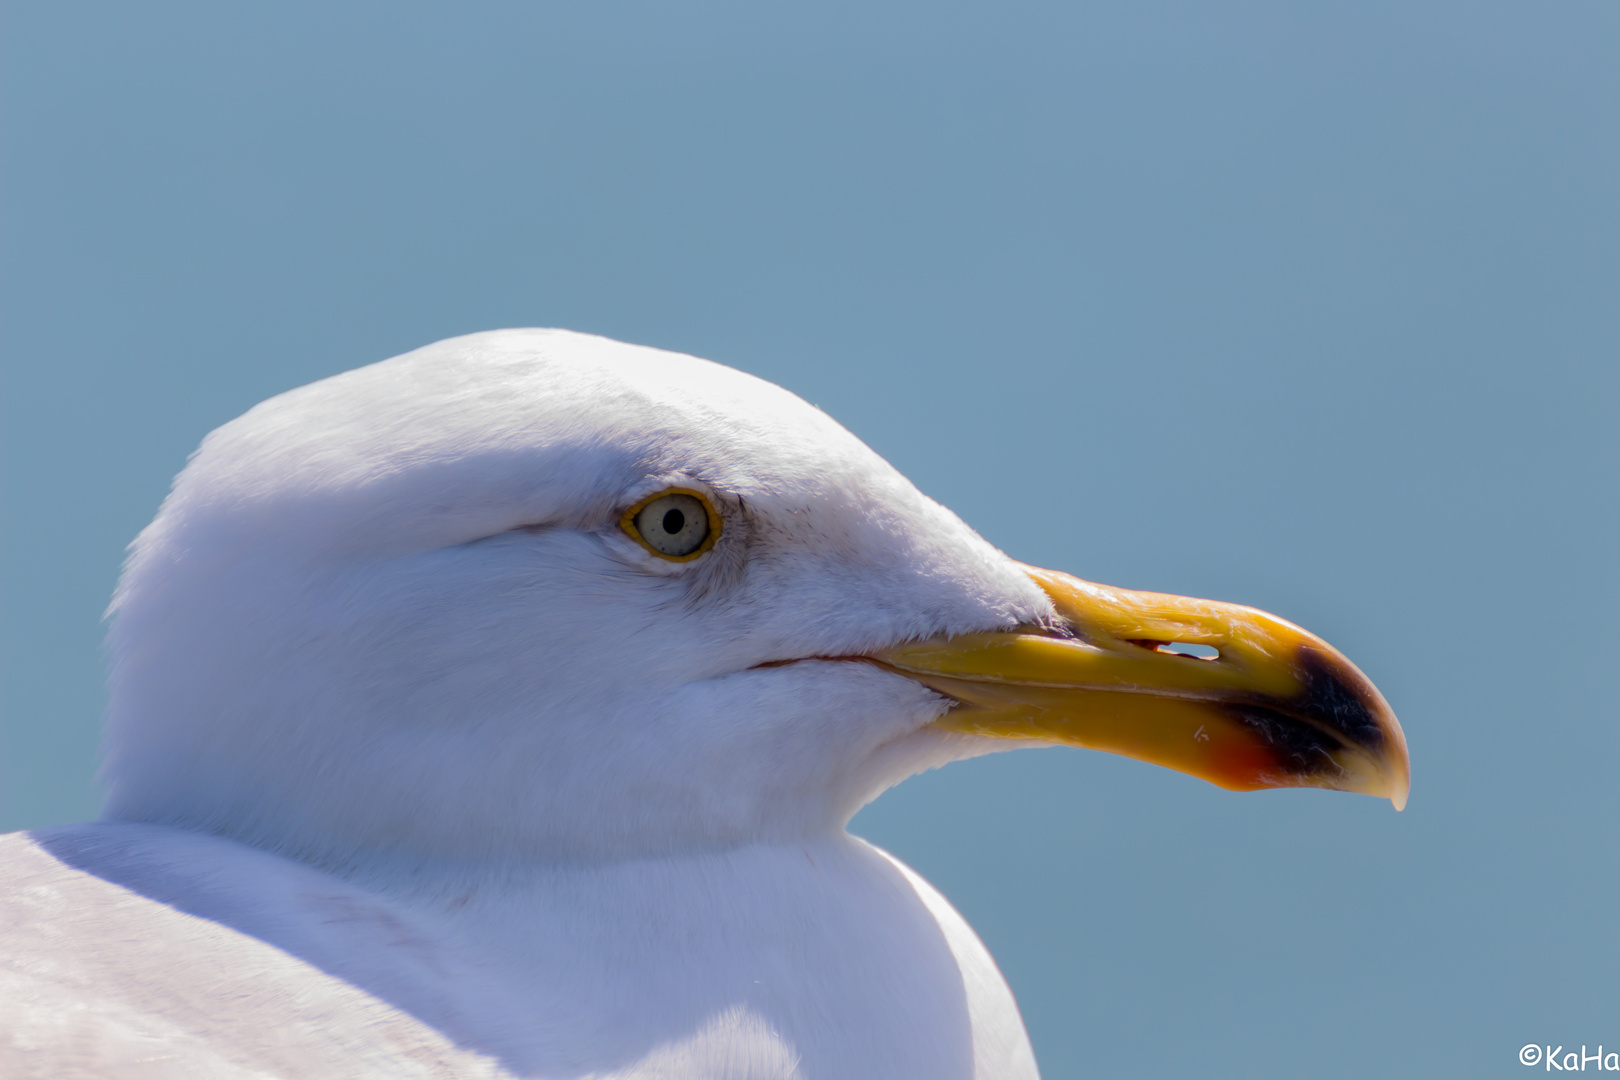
[201, 957]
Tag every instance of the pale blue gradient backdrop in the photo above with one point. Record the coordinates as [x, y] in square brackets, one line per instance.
[1312, 307]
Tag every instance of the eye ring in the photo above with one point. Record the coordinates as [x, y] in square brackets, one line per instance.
[667, 524]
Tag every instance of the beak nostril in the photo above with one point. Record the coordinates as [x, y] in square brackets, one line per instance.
[1191, 650]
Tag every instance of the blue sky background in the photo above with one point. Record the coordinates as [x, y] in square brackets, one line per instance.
[1314, 307]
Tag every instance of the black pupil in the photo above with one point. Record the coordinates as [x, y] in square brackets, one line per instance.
[674, 521]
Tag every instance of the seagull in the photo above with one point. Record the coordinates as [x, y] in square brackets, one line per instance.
[497, 710]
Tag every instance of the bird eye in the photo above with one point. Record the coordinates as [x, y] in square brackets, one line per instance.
[678, 525]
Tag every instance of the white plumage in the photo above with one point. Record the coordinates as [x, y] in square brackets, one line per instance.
[418, 765]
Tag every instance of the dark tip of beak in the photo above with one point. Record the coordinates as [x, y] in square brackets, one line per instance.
[1337, 698]
[1331, 713]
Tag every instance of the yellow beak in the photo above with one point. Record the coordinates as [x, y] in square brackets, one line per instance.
[1276, 707]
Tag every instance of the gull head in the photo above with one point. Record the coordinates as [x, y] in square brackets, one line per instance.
[533, 594]
[398, 609]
